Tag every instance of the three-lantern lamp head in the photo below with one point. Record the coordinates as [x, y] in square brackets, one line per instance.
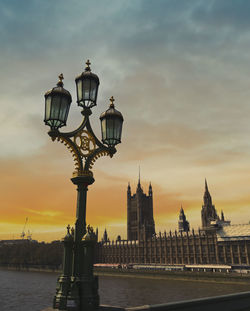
[58, 100]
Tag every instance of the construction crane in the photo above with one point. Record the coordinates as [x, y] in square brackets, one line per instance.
[23, 233]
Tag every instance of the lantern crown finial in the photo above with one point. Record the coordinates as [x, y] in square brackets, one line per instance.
[112, 102]
[60, 82]
[88, 63]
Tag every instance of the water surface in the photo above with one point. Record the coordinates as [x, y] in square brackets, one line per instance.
[33, 291]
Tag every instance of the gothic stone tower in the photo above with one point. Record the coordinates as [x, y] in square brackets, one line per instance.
[183, 224]
[208, 212]
[140, 219]
[105, 238]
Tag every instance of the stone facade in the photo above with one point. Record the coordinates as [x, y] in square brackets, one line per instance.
[176, 248]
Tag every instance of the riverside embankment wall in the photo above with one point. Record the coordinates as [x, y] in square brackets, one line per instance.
[217, 277]
[175, 275]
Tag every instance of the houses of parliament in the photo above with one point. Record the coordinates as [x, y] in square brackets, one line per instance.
[216, 242]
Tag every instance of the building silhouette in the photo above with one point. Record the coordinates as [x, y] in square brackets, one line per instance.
[105, 238]
[217, 242]
[209, 216]
[208, 212]
[183, 224]
[140, 219]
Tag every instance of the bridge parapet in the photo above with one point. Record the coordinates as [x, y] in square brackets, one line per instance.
[231, 302]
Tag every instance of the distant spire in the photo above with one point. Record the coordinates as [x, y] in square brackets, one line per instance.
[183, 224]
[105, 236]
[207, 197]
[96, 233]
[150, 192]
[222, 215]
[139, 180]
[206, 188]
[182, 216]
[129, 190]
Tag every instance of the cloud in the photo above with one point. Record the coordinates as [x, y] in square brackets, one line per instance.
[48, 213]
[223, 14]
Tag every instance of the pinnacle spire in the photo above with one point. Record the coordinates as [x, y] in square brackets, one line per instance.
[139, 179]
[207, 197]
[206, 188]
[129, 189]
[150, 191]
[105, 236]
[222, 215]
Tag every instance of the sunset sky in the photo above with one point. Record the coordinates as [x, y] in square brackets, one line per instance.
[180, 74]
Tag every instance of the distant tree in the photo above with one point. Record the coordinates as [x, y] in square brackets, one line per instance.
[31, 253]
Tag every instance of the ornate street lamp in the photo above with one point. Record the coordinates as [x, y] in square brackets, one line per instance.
[77, 288]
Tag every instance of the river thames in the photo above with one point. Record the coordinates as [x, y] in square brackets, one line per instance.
[33, 291]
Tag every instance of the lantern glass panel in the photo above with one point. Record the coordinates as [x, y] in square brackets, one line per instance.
[110, 128]
[63, 110]
[86, 88]
[117, 129]
[47, 108]
[103, 125]
[79, 90]
[111, 131]
[93, 89]
[55, 107]
[114, 131]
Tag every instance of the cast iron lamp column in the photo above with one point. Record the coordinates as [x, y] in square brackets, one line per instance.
[77, 288]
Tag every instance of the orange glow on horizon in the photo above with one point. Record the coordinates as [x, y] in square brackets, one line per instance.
[48, 199]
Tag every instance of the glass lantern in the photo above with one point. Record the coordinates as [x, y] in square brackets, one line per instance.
[111, 125]
[57, 104]
[87, 88]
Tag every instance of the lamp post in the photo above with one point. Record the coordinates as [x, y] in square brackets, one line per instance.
[77, 288]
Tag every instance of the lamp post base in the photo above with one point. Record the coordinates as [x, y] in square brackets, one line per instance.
[60, 299]
[83, 294]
